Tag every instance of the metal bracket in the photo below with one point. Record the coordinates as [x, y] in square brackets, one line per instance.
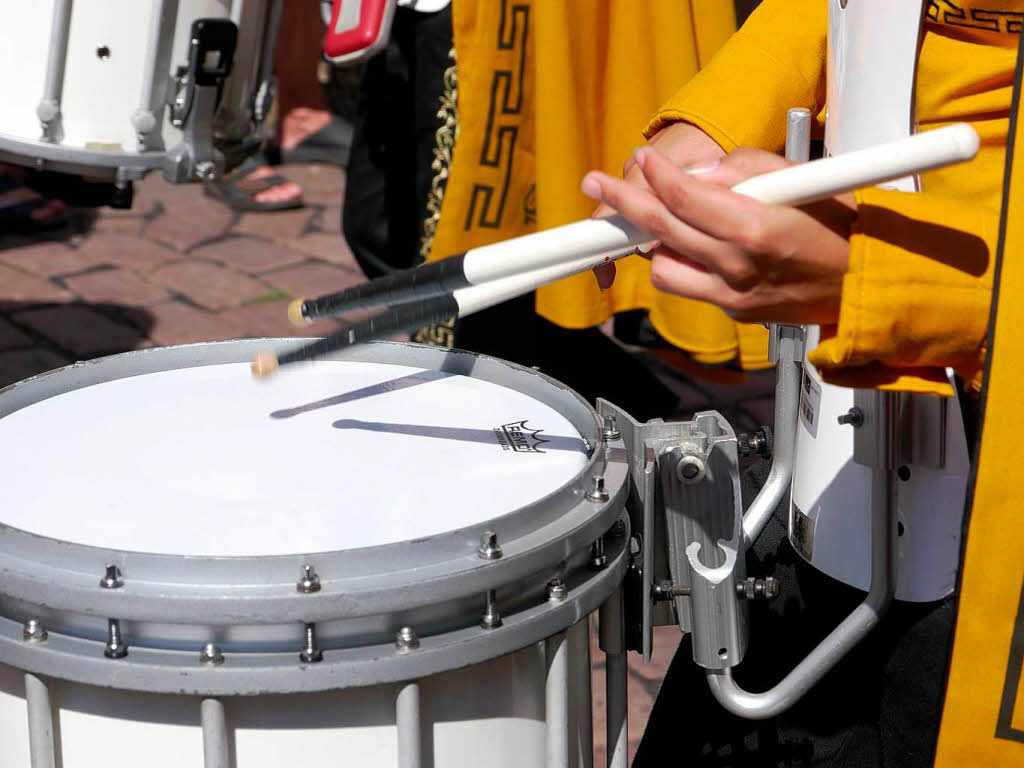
[193, 96]
[686, 519]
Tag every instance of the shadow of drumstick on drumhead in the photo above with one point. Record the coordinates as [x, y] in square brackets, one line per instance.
[392, 385]
[464, 434]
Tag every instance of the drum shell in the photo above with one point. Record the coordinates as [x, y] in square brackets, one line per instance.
[101, 95]
[495, 709]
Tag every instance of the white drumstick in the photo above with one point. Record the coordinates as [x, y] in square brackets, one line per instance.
[613, 237]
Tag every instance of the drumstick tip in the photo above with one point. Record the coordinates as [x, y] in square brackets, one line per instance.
[295, 314]
[265, 364]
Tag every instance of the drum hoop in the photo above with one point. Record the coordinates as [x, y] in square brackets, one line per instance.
[60, 156]
[537, 538]
[154, 670]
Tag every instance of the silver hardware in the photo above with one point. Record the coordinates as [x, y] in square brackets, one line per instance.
[115, 648]
[666, 590]
[750, 588]
[610, 430]
[598, 559]
[690, 468]
[311, 652]
[207, 170]
[211, 655]
[557, 591]
[489, 549]
[618, 528]
[308, 582]
[112, 578]
[854, 417]
[491, 617]
[406, 640]
[597, 491]
[33, 632]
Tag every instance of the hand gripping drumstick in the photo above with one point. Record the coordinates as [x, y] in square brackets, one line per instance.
[488, 275]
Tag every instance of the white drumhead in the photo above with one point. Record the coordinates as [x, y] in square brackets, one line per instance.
[324, 456]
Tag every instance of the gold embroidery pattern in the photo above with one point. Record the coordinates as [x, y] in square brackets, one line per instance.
[444, 144]
[442, 334]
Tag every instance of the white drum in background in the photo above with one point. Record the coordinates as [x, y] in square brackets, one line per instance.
[831, 493]
[169, 496]
[119, 57]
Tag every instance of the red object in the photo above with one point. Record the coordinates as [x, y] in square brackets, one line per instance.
[358, 29]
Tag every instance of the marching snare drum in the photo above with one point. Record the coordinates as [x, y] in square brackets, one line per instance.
[85, 84]
[386, 552]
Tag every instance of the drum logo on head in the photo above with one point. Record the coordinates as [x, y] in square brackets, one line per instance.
[516, 436]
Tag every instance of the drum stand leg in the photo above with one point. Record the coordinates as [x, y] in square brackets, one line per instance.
[407, 718]
[215, 734]
[581, 699]
[556, 700]
[613, 643]
[48, 110]
[40, 722]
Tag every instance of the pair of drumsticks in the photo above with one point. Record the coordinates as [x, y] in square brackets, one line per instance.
[482, 277]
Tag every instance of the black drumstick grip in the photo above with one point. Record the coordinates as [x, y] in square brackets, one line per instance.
[401, 318]
[399, 287]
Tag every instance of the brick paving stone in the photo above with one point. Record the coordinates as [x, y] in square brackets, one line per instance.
[249, 254]
[315, 176]
[48, 259]
[275, 225]
[11, 337]
[15, 285]
[208, 285]
[119, 225]
[312, 279]
[179, 323]
[329, 247]
[327, 219]
[79, 330]
[138, 253]
[20, 364]
[265, 319]
[115, 285]
[189, 221]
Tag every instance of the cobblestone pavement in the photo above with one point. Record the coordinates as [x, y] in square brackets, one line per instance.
[179, 267]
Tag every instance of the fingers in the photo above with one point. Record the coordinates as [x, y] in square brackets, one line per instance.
[605, 274]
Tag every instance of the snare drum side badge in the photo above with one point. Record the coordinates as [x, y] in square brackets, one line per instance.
[516, 436]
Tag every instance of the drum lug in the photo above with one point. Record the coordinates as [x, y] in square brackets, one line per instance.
[193, 97]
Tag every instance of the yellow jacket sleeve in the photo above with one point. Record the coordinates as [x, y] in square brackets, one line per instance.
[774, 62]
[916, 294]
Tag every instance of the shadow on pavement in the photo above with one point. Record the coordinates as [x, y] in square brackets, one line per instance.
[37, 337]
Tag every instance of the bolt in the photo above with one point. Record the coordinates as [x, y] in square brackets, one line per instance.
[666, 590]
[598, 559]
[758, 443]
[311, 653]
[751, 588]
[115, 649]
[854, 417]
[211, 655]
[308, 582]
[611, 430]
[492, 617]
[406, 640]
[690, 469]
[488, 549]
[33, 632]
[618, 528]
[597, 492]
[112, 578]
[557, 591]
[206, 171]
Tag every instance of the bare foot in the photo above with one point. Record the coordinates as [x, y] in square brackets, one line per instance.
[279, 193]
[301, 123]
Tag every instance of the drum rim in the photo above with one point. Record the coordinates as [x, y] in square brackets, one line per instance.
[360, 582]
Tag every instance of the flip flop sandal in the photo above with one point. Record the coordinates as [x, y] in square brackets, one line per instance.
[329, 146]
[17, 203]
[238, 191]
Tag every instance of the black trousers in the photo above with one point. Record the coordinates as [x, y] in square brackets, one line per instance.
[879, 708]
